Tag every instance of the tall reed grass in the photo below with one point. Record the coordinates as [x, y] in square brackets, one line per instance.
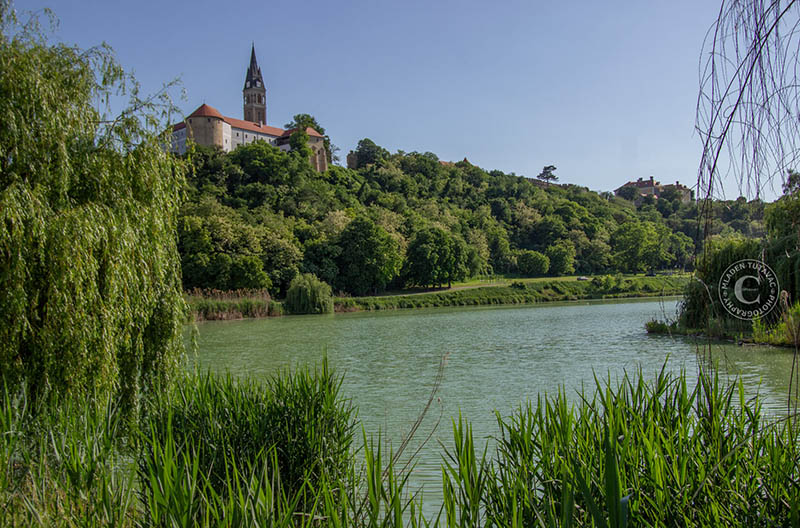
[658, 453]
[213, 305]
[214, 451]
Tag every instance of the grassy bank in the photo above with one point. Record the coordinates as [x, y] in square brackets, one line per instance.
[523, 291]
[783, 330]
[215, 305]
[214, 451]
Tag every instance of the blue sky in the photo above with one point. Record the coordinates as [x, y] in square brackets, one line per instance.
[606, 91]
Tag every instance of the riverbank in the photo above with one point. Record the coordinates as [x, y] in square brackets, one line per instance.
[524, 291]
[780, 334]
[215, 306]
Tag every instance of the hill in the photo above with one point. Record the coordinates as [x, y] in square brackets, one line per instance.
[258, 216]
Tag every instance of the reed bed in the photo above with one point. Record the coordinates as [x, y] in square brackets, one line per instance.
[656, 453]
[215, 305]
[216, 451]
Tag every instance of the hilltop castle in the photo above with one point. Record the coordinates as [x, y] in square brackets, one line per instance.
[207, 126]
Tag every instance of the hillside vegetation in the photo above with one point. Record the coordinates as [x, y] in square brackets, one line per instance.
[257, 217]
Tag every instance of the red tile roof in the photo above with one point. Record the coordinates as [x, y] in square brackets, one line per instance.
[310, 131]
[254, 127]
[206, 111]
[209, 111]
[179, 126]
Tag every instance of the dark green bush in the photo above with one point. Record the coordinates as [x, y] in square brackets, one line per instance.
[308, 295]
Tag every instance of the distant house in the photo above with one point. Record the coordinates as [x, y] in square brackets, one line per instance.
[207, 126]
[651, 187]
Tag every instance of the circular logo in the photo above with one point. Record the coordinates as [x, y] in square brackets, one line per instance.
[748, 289]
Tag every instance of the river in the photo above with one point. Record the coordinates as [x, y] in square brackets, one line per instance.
[497, 357]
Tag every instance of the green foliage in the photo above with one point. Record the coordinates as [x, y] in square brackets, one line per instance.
[612, 456]
[308, 295]
[532, 263]
[522, 292]
[497, 215]
[368, 153]
[214, 451]
[370, 258]
[303, 121]
[628, 193]
[208, 305]
[210, 451]
[701, 302]
[88, 264]
[786, 331]
[219, 421]
[638, 246]
[562, 258]
[434, 257]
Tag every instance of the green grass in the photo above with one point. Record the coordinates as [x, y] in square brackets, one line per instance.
[214, 305]
[207, 305]
[659, 453]
[214, 451]
[524, 291]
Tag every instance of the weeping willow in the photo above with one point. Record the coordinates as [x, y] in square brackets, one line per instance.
[748, 109]
[90, 298]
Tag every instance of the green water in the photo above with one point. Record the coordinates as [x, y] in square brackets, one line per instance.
[497, 358]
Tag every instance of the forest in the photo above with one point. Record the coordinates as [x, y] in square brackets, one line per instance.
[257, 217]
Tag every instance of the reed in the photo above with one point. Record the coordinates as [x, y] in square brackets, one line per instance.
[660, 453]
[216, 451]
[215, 305]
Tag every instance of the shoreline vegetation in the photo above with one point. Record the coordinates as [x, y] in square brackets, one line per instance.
[784, 332]
[214, 450]
[213, 305]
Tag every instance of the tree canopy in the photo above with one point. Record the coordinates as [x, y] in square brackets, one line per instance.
[89, 267]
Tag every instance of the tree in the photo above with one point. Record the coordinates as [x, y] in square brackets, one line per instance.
[637, 246]
[435, 257]
[319, 258]
[749, 100]
[532, 263]
[547, 174]
[369, 259]
[629, 192]
[303, 121]
[562, 258]
[368, 152]
[91, 301]
[309, 295]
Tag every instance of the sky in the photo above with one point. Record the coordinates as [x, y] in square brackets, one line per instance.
[605, 91]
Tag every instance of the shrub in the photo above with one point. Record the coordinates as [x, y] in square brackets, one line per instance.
[532, 263]
[308, 295]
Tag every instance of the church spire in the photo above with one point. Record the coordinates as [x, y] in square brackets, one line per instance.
[254, 78]
[254, 93]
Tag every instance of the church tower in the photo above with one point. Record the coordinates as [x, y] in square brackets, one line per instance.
[254, 92]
